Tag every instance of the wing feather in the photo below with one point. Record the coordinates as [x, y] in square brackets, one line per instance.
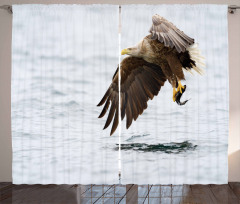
[105, 108]
[128, 113]
[140, 81]
[111, 112]
[123, 105]
[115, 122]
[169, 34]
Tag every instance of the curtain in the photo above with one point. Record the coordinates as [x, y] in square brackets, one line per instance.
[171, 144]
[63, 61]
[63, 58]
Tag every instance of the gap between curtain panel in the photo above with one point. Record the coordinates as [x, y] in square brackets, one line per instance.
[119, 95]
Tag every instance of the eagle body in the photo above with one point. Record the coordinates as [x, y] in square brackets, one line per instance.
[158, 57]
[168, 59]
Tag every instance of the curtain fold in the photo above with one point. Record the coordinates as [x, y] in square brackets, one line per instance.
[63, 61]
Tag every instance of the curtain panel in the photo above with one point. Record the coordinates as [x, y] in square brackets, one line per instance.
[65, 94]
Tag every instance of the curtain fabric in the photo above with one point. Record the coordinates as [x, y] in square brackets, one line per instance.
[189, 143]
[63, 60]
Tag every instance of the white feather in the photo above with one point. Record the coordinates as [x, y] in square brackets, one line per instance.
[195, 55]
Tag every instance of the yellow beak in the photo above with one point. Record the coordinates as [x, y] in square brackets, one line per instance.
[125, 51]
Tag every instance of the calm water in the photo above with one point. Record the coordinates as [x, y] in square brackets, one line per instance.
[63, 61]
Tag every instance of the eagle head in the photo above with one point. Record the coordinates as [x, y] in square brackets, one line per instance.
[133, 51]
[142, 49]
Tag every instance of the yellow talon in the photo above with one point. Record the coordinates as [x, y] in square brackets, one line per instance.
[180, 87]
[174, 94]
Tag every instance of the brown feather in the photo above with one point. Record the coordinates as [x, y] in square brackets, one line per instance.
[105, 108]
[110, 115]
[140, 81]
[169, 34]
[115, 123]
[104, 98]
[175, 66]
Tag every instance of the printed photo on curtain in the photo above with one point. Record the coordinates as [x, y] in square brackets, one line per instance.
[171, 125]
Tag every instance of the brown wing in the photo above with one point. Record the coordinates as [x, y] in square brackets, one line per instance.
[140, 81]
[169, 34]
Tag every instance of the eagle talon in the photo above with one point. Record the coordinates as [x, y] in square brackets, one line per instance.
[179, 95]
[174, 94]
[180, 87]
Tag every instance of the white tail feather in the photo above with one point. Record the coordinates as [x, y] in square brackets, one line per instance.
[196, 56]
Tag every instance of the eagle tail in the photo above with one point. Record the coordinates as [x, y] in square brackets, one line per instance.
[196, 59]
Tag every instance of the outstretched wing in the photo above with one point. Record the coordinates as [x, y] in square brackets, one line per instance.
[140, 81]
[169, 34]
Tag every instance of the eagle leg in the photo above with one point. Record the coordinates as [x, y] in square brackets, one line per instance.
[174, 94]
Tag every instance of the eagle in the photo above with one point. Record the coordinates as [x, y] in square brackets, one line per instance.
[159, 57]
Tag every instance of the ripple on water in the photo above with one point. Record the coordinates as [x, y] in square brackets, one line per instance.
[72, 103]
[136, 136]
[58, 93]
[169, 148]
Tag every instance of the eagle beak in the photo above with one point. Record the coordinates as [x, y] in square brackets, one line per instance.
[125, 51]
